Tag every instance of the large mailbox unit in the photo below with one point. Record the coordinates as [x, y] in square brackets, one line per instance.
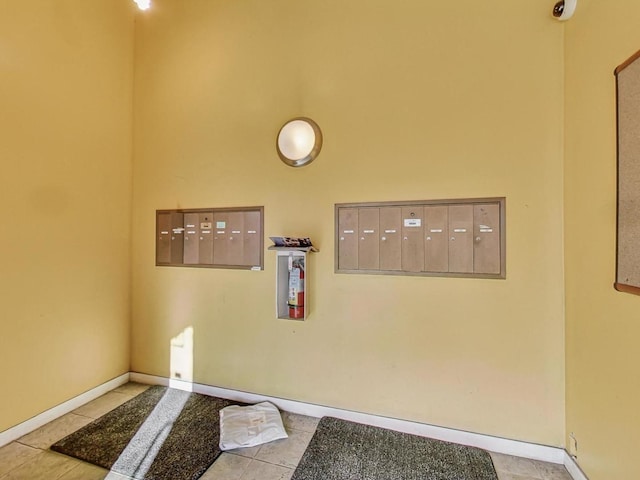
[457, 238]
[210, 237]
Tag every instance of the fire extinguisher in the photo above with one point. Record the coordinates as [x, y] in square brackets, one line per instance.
[296, 290]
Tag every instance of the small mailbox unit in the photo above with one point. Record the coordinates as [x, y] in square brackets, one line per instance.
[452, 238]
[210, 237]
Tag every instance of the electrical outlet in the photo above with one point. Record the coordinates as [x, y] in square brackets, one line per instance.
[573, 445]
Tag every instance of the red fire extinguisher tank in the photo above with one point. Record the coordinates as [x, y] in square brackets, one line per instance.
[296, 291]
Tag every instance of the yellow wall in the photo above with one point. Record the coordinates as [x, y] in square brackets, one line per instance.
[417, 100]
[65, 149]
[603, 326]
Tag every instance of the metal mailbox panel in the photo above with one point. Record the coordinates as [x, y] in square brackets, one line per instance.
[205, 250]
[461, 238]
[390, 238]
[413, 238]
[200, 237]
[252, 239]
[191, 238]
[436, 245]
[163, 235]
[348, 238]
[486, 233]
[369, 243]
[429, 238]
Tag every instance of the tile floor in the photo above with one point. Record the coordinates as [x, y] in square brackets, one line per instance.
[29, 457]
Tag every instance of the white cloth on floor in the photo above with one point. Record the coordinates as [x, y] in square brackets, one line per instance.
[250, 426]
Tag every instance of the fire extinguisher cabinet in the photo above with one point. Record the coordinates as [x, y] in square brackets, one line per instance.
[292, 282]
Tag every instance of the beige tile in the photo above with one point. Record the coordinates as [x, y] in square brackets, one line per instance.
[258, 470]
[249, 452]
[552, 471]
[53, 431]
[44, 466]
[227, 467]
[85, 471]
[294, 421]
[14, 455]
[515, 465]
[102, 405]
[131, 388]
[286, 452]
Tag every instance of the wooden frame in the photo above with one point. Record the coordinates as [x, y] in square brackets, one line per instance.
[628, 176]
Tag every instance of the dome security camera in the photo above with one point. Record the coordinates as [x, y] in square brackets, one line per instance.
[564, 9]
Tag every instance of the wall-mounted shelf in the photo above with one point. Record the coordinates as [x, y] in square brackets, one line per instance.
[295, 249]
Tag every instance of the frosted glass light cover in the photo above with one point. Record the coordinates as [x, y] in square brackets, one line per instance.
[143, 4]
[299, 142]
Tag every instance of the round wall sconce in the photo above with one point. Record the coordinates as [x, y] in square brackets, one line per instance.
[143, 4]
[299, 142]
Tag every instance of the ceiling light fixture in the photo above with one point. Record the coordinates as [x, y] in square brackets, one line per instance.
[299, 142]
[143, 4]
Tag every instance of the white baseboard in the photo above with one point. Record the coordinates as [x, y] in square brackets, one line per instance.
[573, 468]
[487, 442]
[47, 416]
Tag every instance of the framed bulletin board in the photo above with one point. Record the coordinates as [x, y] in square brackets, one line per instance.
[628, 201]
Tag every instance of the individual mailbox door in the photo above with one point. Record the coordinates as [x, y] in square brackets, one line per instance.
[220, 238]
[252, 237]
[235, 249]
[436, 245]
[177, 238]
[191, 239]
[205, 251]
[413, 238]
[390, 236]
[163, 235]
[348, 238]
[369, 243]
[486, 233]
[461, 238]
